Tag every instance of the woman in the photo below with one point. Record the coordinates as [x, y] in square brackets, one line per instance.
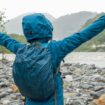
[38, 28]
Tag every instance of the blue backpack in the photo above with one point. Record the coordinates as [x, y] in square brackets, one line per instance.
[33, 72]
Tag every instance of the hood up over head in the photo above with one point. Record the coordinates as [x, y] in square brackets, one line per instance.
[37, 27]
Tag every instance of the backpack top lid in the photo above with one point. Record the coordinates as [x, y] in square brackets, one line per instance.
[37, 26]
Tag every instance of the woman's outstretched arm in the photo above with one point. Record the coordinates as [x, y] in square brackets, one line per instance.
[67, 45]
[10, 43]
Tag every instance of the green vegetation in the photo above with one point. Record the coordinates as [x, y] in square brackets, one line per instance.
[20, 38]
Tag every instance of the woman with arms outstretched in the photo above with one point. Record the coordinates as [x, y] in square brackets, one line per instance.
[37, 28]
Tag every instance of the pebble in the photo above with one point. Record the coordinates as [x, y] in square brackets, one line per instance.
[5, 102]
[97, 94]
[68, 78]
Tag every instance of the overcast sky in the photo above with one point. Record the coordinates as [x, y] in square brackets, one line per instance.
[56, 8]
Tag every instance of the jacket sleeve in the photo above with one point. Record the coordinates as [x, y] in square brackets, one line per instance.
[10, 43]
[67, 45]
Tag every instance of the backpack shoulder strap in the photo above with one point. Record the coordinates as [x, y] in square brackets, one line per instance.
[55, 94]
[58, 69]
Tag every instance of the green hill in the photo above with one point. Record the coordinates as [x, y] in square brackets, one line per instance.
[98, 40]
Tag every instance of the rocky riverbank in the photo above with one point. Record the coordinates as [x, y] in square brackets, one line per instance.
[7, 94]
[82, 84]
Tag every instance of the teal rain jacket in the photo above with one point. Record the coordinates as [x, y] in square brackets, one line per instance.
[37, 28]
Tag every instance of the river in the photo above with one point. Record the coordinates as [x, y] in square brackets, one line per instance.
[97, 58]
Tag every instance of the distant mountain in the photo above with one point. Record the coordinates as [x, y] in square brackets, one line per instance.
[63, 26]
[14, 26]
[68, 24]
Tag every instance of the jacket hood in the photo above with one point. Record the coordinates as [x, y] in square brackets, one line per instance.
[37, 27]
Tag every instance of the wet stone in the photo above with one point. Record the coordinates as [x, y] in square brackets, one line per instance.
[5, 102]
[3, 94]
[97, 94]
